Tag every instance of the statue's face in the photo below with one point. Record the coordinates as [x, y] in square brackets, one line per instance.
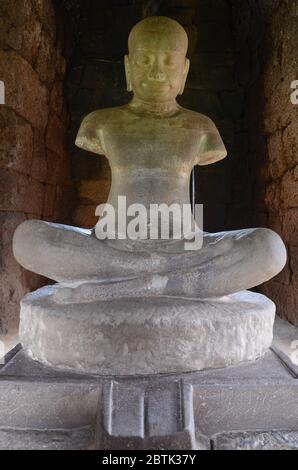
[155, 69]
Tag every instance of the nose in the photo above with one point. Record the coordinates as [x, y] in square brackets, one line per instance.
[156, 72]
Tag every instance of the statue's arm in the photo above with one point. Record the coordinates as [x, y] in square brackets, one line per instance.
[90, 134]
[212, 148]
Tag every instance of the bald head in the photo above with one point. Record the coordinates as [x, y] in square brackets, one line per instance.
[156, 67]
[158, 32]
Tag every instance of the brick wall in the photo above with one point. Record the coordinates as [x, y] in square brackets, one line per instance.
[35, 180]
[267, 39]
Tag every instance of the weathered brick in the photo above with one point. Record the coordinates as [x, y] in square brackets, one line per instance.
[277, 161]
[39, 163]
[32, 32]
[24, 92]
[46, 13]
[20, 193]
[64, 203]
[57, 98]
[49, 201]
[289, 188]
[12, 17]
[45, 64]
[16, 142]
[55, 135]
[15, 281]
[290, 226]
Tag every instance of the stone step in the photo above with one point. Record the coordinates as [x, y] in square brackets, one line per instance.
[147, 416]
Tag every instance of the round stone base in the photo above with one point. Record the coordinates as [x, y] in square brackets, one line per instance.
[150, 335]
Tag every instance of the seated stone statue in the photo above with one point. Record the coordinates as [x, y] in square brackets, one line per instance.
[152, 144]
[124, 306]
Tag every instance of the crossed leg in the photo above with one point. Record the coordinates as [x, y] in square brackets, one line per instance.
[227, 262]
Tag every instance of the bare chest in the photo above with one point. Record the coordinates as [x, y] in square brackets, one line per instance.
[151, 143]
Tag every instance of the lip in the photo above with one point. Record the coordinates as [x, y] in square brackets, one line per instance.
[156, 84]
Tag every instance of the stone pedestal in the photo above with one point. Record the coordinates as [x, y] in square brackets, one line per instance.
[249, 406]
[130, 336]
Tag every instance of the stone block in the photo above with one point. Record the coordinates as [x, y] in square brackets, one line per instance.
[290, 143]
[60, 64]
[273, 195]
[12, 17]
[290, 226]
[239, 407]
[277, 161]
[78, 439]
[58, 169]
[14, 189]
[20, 193]
[56, 97]
[45, 64]
[159, 417]
[257, 440]
[293, 257]
[65, 200]
[55, 135]
[15, 281]
[285, 298]
[289, 188]
[279, 112]
[129, 337]
[52, 411]
[52, 167]
[32, 33]
[24, 92]
[12, 287]
[16, 142]
[49, 201]
[46, 13]
[39, 163]
[35, 197]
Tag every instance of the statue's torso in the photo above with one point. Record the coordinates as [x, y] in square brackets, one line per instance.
[151, 158]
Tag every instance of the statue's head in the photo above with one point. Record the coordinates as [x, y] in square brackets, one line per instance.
[156, 67]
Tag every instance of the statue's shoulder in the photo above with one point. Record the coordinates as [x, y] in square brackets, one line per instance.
[90, 135]
[102, 116]
[194, 120]
[211, 147]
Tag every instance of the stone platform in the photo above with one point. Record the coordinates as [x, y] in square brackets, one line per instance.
[250, 406]
[161, 334]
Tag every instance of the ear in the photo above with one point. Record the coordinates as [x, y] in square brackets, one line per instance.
[127, 73]
[184, 76]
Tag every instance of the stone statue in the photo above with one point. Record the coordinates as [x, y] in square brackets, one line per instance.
[152, 144]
